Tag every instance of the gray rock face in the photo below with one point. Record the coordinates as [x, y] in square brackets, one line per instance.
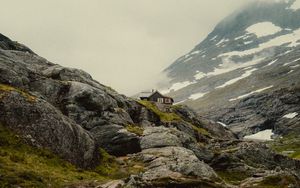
[172, 164]
[264, 111]
[47, 127]
[158, 137]
[116, 140]
[66, 111]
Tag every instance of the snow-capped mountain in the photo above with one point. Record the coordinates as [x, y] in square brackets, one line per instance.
[254, 50]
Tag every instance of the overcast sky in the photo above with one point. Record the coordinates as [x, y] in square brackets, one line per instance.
[122, 43]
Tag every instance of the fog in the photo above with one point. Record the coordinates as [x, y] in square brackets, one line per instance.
[122, 43]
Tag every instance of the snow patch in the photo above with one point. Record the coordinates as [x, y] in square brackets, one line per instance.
[295, 66]
[295, 6]
[195, 52]
[286, 64]
[290, 39]
[197, 96]
[199, 75]
[221, 42]
[290, 115]
[251, 93]
[214, 38]
[263, 29]
[223, 124]
[246, 74]
[248, 42]
[188, 59]
[271, 63]
[262, 135]
[177, 86]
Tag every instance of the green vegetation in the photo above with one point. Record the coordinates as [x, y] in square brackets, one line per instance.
[277, 181]
[26, 166]
[288, 145]
[135, 129]
[169, 117]
[201, 130]
[164, 116]
[6, 88]
[232, 177]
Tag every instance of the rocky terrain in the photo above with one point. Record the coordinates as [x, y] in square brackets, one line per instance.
[245, 73]
[61, 128]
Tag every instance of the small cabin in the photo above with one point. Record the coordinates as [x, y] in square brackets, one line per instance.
[155, 96]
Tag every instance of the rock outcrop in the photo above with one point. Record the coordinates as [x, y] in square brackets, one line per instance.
[66, 111]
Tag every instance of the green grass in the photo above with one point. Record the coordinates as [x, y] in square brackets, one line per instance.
[170, 117]
[276, 181]
[287, 143]
[164, 116]
[6, 89]
[201, 130]
[135, 129]
[232, 177]
[26, 166]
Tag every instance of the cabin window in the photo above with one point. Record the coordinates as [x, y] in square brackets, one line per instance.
[160, 100]
[168, 100]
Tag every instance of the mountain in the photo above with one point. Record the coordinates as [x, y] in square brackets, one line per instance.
[61, 128]
[245, 73]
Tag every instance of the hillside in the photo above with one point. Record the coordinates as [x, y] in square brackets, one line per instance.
[61, 128]
[245, 74]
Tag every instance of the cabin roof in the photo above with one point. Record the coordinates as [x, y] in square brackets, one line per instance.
[148, 94]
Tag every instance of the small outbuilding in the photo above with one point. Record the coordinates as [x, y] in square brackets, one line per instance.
[156, 96]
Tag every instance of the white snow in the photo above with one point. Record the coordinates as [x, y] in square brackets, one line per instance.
[188, 59]
[290, 39]
[223, 124]
[286, 64]
[263, 29]
[196, 96]
[295, 66]
[290, 71]
[222, 41]
[177, 86]
[179, 102]
[248, 42]
[246, 74]
[240, 37]
[203, 56]
[199, 75]
[290, 115]
[251, 93]
[214, 38]
[296, 5]
[195, 52]
[271, 63]
[262, 135]
[228, 66]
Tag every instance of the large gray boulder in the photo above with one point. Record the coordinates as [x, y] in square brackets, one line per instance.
[44, 126]
[172, 165]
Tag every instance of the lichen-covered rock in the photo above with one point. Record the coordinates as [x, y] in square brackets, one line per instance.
[44, 126]
[171, 164]
[116, 140]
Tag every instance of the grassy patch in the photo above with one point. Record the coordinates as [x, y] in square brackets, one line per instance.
[26, 166]
[232, 177]
[287, 143]
[164, 116]
[277, 181]
[135, 129]
[6, 88]
[201, 130]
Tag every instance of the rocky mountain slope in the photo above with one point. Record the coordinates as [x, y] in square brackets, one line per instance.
[61, 128]
[245, 74]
